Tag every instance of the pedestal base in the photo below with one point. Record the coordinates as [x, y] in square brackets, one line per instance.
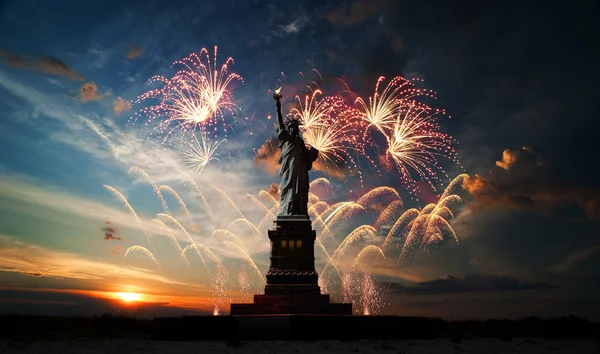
[291, 305]
[292, 284]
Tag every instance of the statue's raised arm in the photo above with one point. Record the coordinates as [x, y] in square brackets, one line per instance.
[296, 160]
[277, 97]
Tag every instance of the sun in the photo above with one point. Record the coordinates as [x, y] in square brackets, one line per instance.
[129, 297]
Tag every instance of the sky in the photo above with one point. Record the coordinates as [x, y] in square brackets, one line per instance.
[517, 80]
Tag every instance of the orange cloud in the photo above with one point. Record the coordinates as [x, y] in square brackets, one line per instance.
[522, 180]
[89, 92]
[267, 157]
[508, 158]
[120, 105]
[274, 190]
[46, 64]
[134, 52]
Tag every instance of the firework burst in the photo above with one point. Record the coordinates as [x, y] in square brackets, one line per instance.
[384, 107]
[198, 153]
[416, 142]
[196, 96]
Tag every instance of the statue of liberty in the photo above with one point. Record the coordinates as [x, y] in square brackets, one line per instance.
[296, 160]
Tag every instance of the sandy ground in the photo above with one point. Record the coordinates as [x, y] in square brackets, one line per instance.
[81, 346]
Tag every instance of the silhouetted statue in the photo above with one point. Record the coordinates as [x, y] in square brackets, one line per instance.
[296, 160]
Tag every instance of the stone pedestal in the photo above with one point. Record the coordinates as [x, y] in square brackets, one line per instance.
[292, 282]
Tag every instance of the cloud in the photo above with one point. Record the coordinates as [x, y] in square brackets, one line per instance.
[134, 52]
[45, 64]
[358, 12]
[267, 156]
[468, 284]
[522, 180]
[291, 28]
[274, 190]
[120, 105]
[116, 251]
[109, 236]
[25, 258]
[574, 259]
[89, 92]
[74, 302]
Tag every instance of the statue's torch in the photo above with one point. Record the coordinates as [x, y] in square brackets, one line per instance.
[277, 94]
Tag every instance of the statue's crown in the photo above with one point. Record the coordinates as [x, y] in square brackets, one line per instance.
[293, 122]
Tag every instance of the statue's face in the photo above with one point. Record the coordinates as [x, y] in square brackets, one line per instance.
[294, 130]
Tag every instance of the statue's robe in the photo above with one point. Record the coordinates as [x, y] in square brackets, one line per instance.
[296, 160]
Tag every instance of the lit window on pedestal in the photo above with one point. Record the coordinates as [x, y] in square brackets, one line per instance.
[291, 245]
[299, 244]
[283, 244]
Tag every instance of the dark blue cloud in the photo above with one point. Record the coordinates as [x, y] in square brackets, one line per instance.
[468, 284]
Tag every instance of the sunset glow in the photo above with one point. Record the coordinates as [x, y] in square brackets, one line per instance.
[129, 297]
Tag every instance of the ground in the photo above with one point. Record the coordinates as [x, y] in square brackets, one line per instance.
[117, 346]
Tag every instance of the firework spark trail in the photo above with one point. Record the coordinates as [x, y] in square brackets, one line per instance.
[344, 213]
[364, 253]
[229, 200]
[455, 182]
[400, 224]
[361, 232]
[220, 293]
[182, 204]
[368, 292]
[197, 247]
[208, 208]
[174, 221]
[433, 229]
[268, 216]
[142, 250]
[328, 257]
[192, 97]
[428, 209]
[248, 224]
[198, 154]
[317, 208]
[246, 257]
[226, 232]
[333, 210]
[369, 198]
[174, 241]
[388, 214]
[155, 188]
[420, 230]
[317, 221]
[321, 181]
[266, 195]
[122, 198]
[260, 204]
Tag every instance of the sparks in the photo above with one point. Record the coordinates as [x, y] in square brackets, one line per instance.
[198, 153]
[416, 142]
